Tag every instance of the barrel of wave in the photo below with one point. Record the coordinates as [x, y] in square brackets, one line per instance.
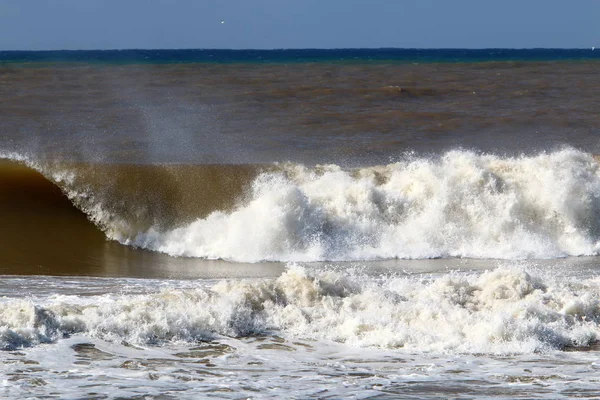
[57, 217]
[41, 230]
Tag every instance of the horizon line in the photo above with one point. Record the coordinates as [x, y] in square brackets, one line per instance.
[591, 48]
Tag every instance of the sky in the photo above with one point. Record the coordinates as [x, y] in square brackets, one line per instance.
[267, 24]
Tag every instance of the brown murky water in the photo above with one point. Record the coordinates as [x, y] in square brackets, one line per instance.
[242, 113]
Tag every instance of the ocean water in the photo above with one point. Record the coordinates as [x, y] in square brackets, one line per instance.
[300, 224]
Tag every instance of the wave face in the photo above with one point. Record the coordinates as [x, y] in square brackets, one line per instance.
[461, 204]
[504, 311]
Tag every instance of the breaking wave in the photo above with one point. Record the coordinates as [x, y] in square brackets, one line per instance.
[460, 204]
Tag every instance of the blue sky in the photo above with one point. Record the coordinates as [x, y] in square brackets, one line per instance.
[260, 24]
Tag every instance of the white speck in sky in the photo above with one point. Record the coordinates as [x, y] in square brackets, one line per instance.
[222, 21]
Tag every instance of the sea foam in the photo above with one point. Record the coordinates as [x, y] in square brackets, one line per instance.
[506, 310]
[461, 204]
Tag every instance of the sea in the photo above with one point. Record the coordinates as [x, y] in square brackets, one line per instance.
[299, 224]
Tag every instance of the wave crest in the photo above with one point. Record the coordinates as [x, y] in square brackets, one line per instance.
[460, 205]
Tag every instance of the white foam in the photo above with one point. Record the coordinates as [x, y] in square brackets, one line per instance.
[460, 205]
[507, 310]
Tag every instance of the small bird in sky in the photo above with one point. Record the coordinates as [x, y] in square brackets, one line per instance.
[222, 21]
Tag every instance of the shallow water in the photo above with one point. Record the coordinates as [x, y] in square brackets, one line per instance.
[213, 337]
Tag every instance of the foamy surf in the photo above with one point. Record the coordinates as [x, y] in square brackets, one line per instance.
[312, 331]
[461, 204]
[504, 311]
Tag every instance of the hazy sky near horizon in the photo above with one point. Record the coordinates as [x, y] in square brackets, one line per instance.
[265, 24]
